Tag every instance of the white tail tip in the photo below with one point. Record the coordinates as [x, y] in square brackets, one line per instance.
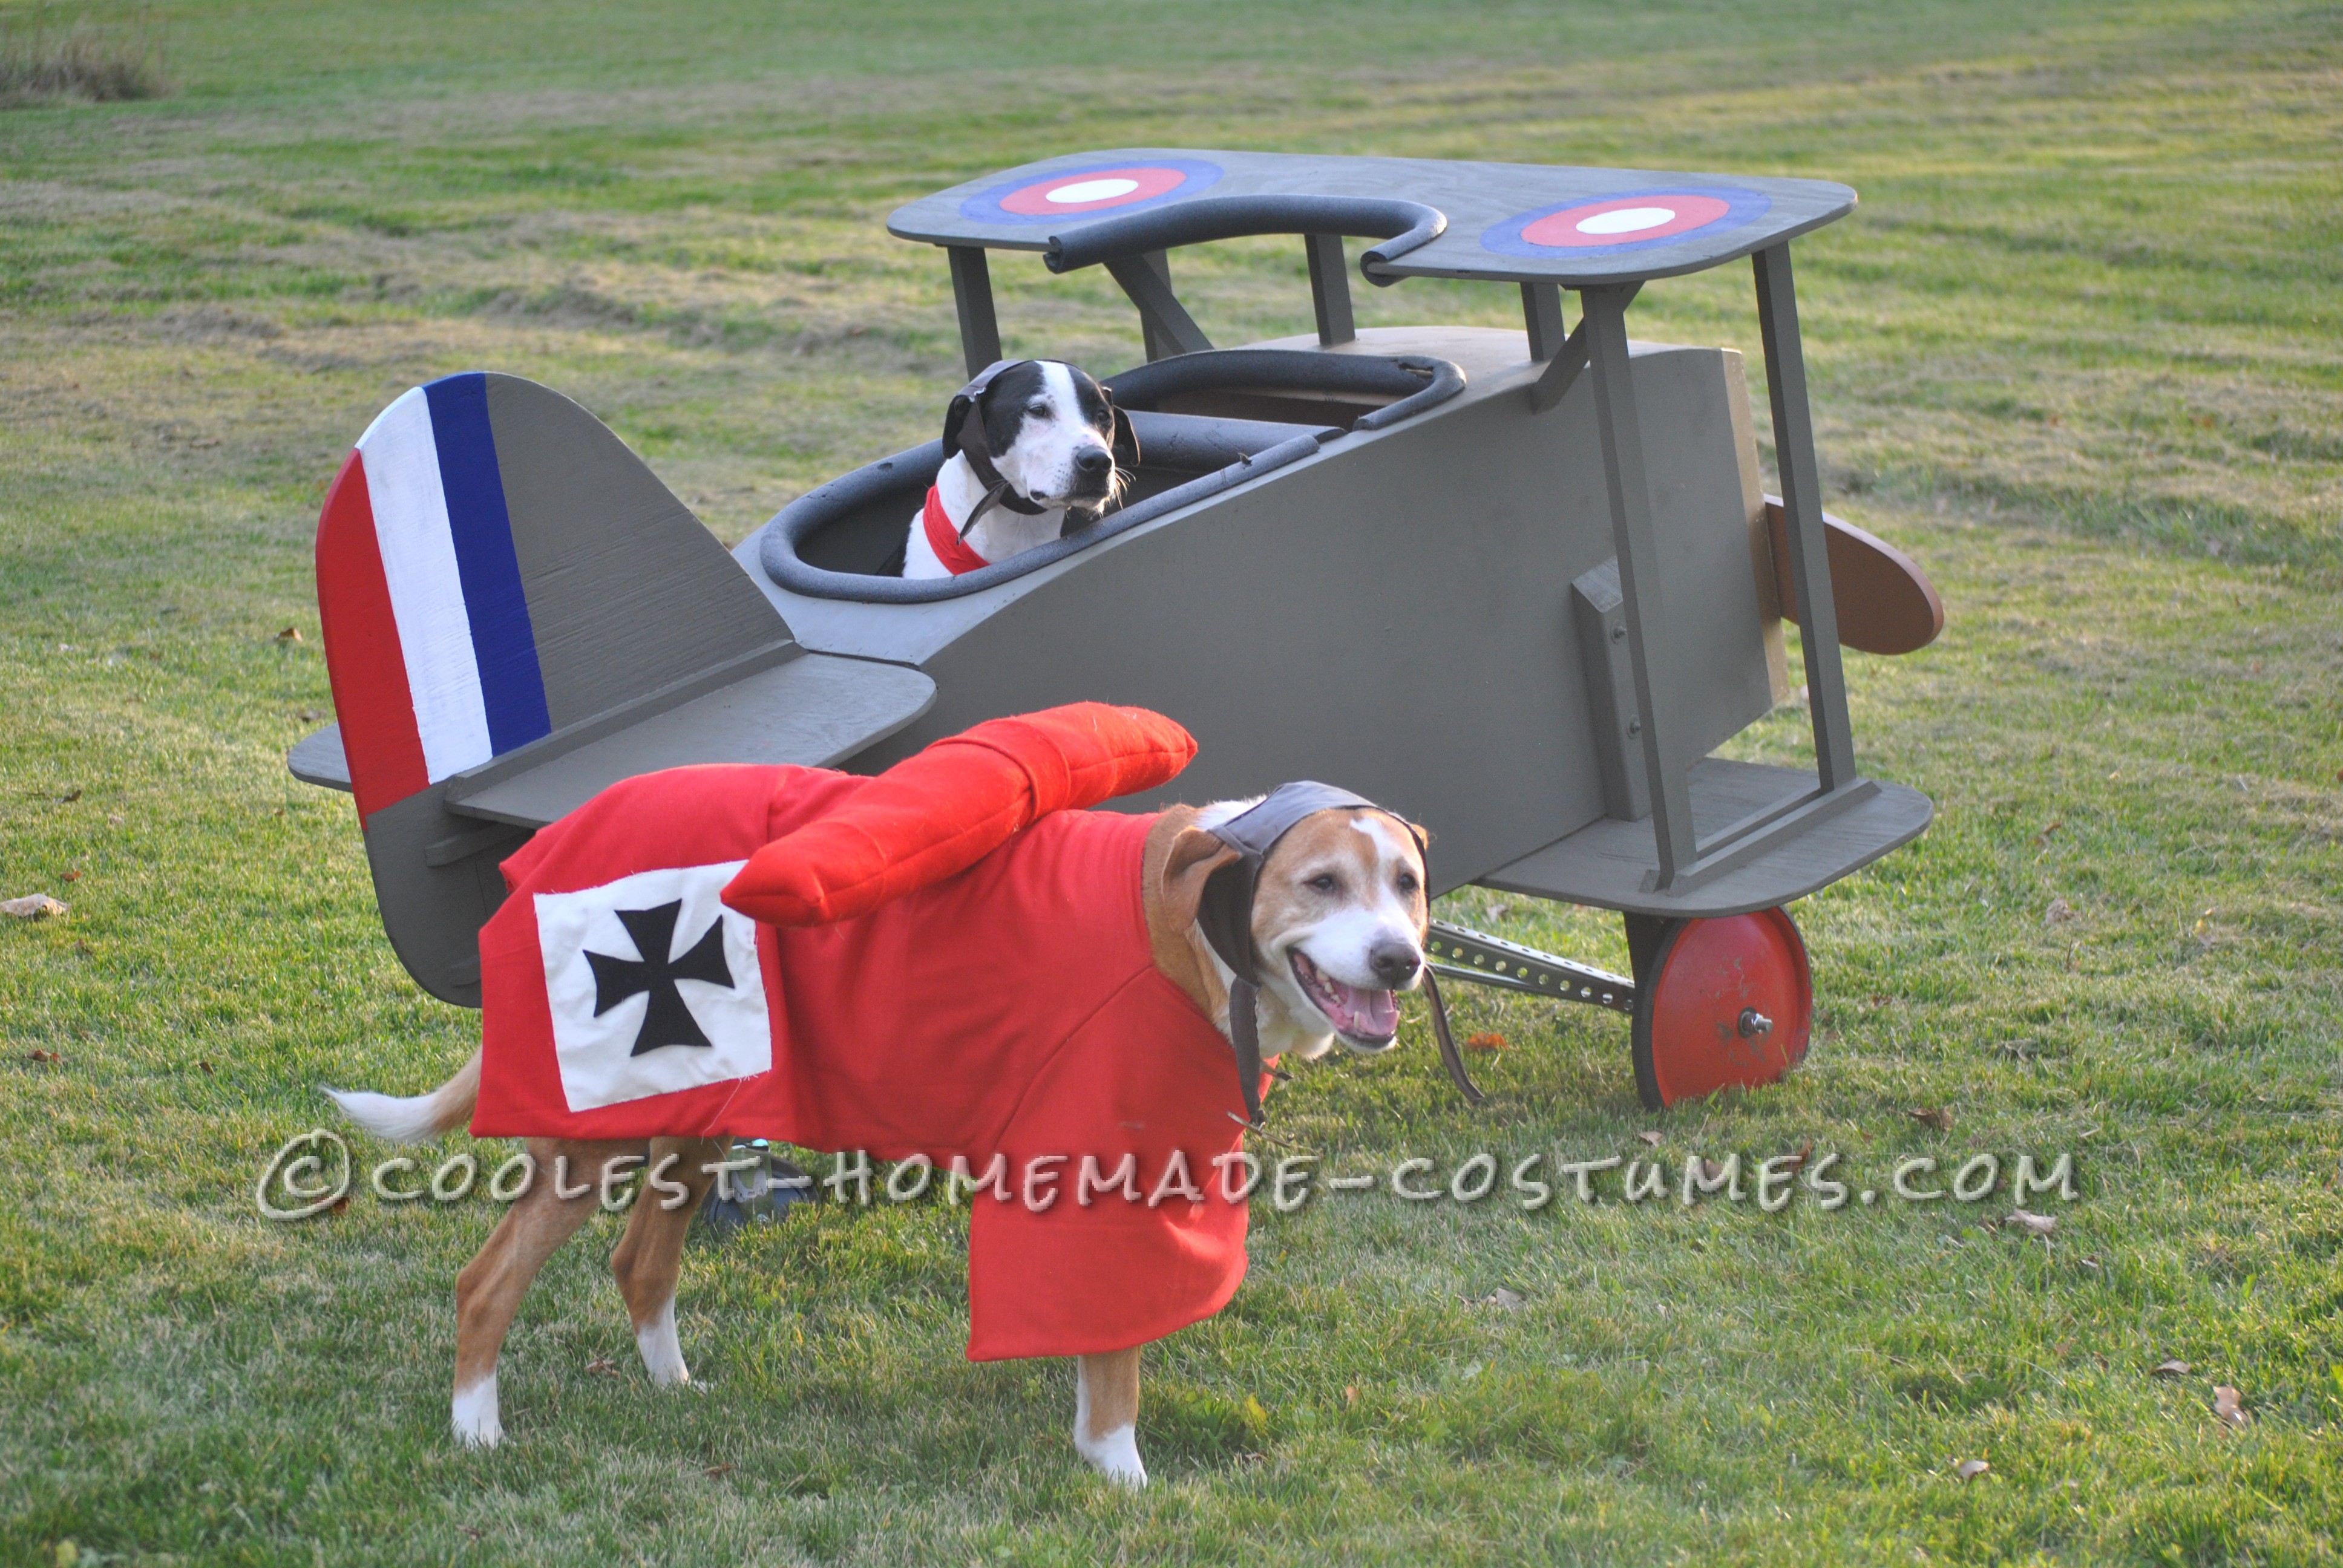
[412, 1121]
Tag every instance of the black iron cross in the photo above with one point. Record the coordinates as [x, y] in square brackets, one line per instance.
[667, 1021]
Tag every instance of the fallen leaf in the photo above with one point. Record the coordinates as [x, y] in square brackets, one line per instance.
[2091, 1264]
[1650, 1138]
[1710, 1170]
[2229, 1405]
[1351, 1393]
[204, 1065]
[1879, 1002]
[1499, 911]
[714, 1470]
[2044, 836]
[45, 1056]
[113, 821]
[2033, 1225]
[1935, 1116]
[1503, 1300]
[2175, 1368]
[1797, 1161]
[205, 441]
[308, 716]
[290, 634]
[31, 906]
[75, 794]
[1970, 1469]
[2059, 912]
[603, 1366]
[1485, 1042]
[68, 876]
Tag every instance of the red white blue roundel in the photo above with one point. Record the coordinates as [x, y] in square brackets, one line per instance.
[1104, 187]
[1634, 220]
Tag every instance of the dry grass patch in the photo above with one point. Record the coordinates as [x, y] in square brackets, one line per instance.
[41, 62]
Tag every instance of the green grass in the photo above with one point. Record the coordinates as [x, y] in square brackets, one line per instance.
[2079, 352]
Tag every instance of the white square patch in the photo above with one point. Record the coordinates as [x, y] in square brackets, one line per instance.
[654, 986]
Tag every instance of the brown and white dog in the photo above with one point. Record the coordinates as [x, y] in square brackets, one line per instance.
[1339, 923]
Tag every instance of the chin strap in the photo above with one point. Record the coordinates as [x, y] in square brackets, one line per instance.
[1448, 1054]
[1244, 1033]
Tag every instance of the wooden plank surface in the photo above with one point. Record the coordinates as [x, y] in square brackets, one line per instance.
[1604, 863]
[815, 710]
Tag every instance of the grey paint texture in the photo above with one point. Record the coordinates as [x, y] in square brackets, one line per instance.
[626, 591]
[1394, 613]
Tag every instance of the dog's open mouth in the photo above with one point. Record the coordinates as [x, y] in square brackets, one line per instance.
[1369, 1018]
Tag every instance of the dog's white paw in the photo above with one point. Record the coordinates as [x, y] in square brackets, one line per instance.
[662, 1351]
[475, 1414]
[1114, 1456]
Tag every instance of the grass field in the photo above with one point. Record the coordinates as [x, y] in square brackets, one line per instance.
[2078, 351]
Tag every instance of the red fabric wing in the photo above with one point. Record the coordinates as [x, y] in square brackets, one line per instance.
[935, 815]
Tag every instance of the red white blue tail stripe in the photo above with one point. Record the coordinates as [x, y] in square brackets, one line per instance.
[428, 634]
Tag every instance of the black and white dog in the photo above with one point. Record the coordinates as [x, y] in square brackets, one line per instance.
[1033, 448]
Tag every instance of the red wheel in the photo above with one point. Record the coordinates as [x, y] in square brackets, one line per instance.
[1720, 1002]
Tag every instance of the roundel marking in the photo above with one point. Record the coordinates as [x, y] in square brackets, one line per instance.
[1070, 193]
[1638, 220]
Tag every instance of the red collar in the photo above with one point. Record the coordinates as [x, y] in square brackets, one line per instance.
[952, 550]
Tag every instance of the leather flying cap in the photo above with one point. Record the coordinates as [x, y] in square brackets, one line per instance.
[1225, 917]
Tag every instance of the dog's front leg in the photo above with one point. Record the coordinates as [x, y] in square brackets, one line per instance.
[1106, 1414]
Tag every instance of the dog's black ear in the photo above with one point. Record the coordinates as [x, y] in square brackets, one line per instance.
[1126, 442]
[956, 418]
[967, 404]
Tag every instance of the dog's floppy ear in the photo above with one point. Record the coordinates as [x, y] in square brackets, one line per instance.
[1126, 441]
[965, 406]
[1195, 855]
[961, 409]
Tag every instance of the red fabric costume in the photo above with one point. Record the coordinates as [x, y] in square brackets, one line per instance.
[1010, 1008]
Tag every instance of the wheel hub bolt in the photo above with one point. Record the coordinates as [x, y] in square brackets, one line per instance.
[1755, 1025]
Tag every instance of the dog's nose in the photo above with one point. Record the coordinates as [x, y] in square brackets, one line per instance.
[1092, 461]
[1394, 963]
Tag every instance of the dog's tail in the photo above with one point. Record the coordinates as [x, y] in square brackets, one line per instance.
[419, 1117]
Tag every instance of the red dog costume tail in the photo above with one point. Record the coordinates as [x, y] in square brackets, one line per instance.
[935, 815]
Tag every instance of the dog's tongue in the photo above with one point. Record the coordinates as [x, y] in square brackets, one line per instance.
[1367, 1014]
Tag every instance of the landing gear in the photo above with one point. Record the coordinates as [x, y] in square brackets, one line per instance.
[1718, 1002]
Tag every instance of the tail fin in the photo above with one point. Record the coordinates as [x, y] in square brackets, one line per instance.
[421, 1117]
[495, 566]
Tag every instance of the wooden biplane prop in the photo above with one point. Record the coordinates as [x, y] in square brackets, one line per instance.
[1521, 584]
